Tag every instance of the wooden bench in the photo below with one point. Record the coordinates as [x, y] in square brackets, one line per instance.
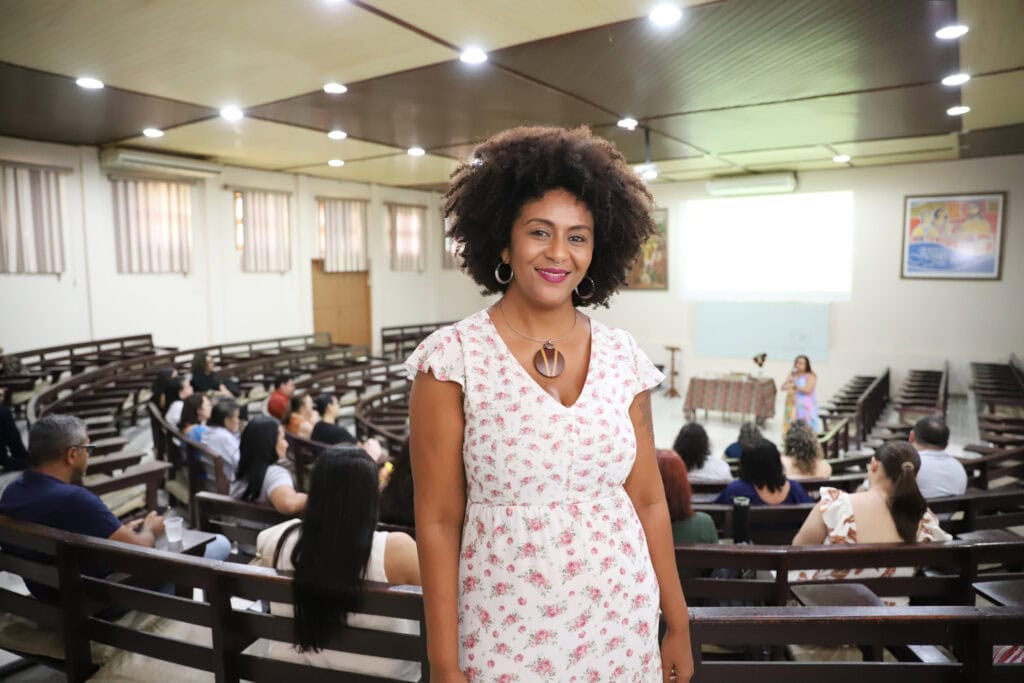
[399, 341]
[994, 463]
[923, 392]
[862, 400]
[997, 385]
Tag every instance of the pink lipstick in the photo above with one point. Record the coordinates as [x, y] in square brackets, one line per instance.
[553, 275]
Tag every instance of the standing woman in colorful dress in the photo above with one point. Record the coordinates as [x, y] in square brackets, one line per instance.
[801, 403]
[543, 533]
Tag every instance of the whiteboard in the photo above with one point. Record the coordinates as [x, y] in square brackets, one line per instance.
[743, 329]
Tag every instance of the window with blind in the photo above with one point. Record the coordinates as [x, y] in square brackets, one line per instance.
[262, 230]
[342, 234]
[406, 228]
[31, 220]
[152, 225]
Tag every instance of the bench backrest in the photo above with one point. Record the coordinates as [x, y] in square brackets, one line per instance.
[240, 521]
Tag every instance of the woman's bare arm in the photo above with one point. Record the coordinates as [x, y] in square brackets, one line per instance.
[813, 530]
[436, 423]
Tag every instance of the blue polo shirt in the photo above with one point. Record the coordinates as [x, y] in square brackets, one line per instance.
[40, 498]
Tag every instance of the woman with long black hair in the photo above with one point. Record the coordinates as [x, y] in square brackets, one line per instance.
[260, 478]
[332, 550]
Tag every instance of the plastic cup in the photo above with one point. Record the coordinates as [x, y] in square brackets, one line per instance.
[174, 527]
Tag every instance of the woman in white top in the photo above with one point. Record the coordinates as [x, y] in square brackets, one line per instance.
[694, 448]
[332, 550]
[177, 390]
[260, 479]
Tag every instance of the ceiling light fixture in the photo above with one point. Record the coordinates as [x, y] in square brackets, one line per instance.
[231, 113]
[951, 32]
[958, 110]
[337, 135]
[89, 83]
[336, 163]
[153, 132]
[628, 123]
[665, 14]
[956, 79]
[333, 88]
[416, 151]
[841, 158]
[649, 173]
[473, 55]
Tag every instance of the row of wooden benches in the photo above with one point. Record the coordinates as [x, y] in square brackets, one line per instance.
[999, 385]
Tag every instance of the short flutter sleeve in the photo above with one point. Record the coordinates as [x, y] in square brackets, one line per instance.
[930, 531]
[837, 513]
[647, 376]
[441, 355]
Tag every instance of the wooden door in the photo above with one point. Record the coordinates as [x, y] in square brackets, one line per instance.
[341, 305]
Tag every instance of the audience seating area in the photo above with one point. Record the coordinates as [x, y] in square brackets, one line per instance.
[998, 385]
[861, 400]
[398, 342]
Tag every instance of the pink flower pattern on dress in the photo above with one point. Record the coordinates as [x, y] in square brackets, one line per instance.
[555, 578]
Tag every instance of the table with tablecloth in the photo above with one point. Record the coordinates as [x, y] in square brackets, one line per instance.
[731, 394]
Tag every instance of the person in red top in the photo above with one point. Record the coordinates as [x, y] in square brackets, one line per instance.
[284, 387]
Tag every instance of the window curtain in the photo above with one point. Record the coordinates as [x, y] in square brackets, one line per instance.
[31, 224]
[267, 247]
[152, 225]
[407, 225]
[344, 235]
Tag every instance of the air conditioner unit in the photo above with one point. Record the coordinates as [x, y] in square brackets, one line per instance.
[763, 183]
[132, 161]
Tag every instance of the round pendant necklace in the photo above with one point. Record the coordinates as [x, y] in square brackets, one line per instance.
[547, 361]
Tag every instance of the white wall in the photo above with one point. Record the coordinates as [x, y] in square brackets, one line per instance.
[215, 302]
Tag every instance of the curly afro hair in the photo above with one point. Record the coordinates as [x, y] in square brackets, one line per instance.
[522, 164]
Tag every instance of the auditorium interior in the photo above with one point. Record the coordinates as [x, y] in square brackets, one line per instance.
[260, 185]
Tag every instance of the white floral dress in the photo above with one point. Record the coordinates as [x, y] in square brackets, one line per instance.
[555, 578]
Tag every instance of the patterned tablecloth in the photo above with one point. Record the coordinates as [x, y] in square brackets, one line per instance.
[731, 394]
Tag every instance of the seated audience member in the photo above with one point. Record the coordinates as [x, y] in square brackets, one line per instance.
[176, 390]
[331, 551]
[940, 474]
[221, 435]
[762, 479]
[804, 457]
[892, 510]
[205, 378]
[749, 433]
[300, 418]
[158, 389]
[687, 526]
[396, 495]
[260, 477]
[195, 412]
[284, 387]
[13, 456]
[326, 430]
[50, 492]
[693, 447]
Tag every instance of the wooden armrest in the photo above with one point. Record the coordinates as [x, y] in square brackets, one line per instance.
[836, 595]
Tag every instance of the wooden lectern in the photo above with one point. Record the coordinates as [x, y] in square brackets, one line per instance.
[673, 373]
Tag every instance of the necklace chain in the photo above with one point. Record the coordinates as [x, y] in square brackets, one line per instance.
[539, 341]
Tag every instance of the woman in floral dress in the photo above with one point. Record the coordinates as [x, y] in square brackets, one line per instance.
[544, 538]
[801, 401]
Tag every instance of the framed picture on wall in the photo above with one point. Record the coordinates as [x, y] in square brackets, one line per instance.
[953, 237]
[650, 270]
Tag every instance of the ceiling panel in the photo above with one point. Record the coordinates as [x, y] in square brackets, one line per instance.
[993, 141]
[994, 41]
[744, 52]
[260, 144]
[768, 156]
[398, 169]
[436, 106]
[693, 164]
[995, 100]
[817, 165]
[926, 143]
[632, 146]
[904, 112]
[907, 158]
[42, 106]
[241, 52]
[491, 24]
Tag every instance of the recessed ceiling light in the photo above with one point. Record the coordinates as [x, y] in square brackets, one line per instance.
[231, 113]
[336, 163]
[334, 88]
[956, 79]
[473, 55]
[628, 123]
[958, 110]
[89, 83]
[649, 174]
[337, 135]
[951, 32]
[841, 158]
[666, 14]
[153, 132]
[416, 151]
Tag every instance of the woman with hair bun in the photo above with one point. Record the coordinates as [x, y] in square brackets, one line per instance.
[892, 510]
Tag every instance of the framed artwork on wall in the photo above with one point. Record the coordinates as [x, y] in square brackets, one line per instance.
[650, 270]
[953, 237]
